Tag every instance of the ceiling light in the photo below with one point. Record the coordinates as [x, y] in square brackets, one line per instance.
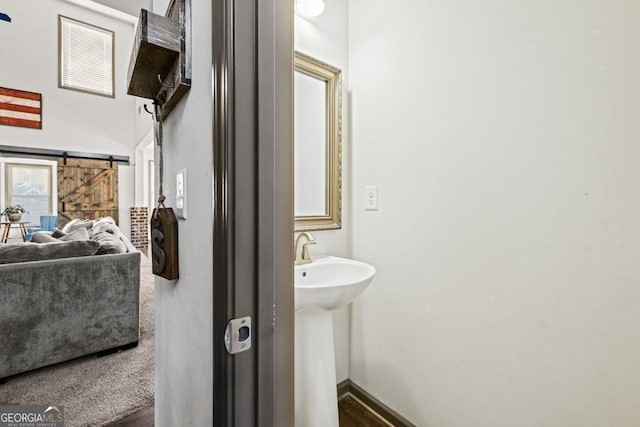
[309, 8]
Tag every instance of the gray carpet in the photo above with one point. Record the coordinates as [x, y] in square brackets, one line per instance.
[96, 391]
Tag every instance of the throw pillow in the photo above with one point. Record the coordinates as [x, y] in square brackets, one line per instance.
[25, 252]
[101, 221]
[77, 223]
[57, 233]
[77, 234]
[106, 227]
[109, 244]
[43, 237]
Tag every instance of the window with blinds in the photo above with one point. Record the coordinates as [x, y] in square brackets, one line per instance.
[86, 57]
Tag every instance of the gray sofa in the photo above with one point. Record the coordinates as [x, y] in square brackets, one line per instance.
[54, 310]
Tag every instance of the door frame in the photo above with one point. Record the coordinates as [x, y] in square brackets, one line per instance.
[252, 62]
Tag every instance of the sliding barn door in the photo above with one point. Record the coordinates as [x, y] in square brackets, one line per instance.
[87, 189]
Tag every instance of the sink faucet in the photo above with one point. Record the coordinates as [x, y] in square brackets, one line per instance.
[304, 257]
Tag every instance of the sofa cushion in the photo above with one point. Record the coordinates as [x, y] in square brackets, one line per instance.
[57, 233]
[43, 237]
[24, 252]
[106, 226]
[101, 222]
[109, 244]
[74, 224]
[77, 234]
[109, 235]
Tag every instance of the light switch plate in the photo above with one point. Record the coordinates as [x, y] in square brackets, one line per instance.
[181, 194]
[371, 198]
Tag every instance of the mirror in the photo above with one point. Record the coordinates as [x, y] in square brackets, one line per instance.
[317, 144]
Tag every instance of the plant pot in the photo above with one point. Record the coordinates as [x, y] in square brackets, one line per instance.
[14, 217]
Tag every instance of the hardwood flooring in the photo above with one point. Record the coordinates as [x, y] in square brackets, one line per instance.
[353, 414]
[350, 411]
[142, 418]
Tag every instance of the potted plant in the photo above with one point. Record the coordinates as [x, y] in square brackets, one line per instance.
[14, 213]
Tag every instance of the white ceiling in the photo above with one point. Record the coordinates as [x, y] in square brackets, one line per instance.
[131, 7]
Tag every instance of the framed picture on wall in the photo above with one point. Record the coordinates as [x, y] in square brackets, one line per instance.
[20, 108]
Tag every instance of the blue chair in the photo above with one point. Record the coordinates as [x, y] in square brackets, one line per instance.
[48, 223]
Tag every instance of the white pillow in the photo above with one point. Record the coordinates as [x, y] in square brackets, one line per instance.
[74, 224]
[106, 224]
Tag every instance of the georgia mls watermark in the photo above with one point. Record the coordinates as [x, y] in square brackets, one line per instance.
[32, 416]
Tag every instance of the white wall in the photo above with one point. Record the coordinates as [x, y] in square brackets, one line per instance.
[326, 38]
[504, 139]
[184, 309]
[144, 152]
[131, 7]
[71, 120]
[148, 155]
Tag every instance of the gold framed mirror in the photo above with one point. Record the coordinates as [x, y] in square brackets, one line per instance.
[317, 144]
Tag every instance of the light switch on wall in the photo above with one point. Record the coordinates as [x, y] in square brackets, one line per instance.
[181, 194]
[371, 198]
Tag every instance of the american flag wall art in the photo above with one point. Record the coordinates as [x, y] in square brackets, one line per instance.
[20, 108]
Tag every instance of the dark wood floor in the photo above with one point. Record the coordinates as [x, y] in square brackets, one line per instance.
[142, 418]
[351, 412]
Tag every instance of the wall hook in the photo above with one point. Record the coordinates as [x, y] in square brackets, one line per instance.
[165, 85]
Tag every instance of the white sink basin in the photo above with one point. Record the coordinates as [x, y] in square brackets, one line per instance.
[329, 283]
[323, 285]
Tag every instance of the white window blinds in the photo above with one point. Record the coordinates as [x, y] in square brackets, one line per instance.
[86, 57]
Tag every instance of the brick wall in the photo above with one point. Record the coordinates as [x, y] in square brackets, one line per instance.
[140, 227]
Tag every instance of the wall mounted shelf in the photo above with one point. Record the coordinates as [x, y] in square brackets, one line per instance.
[160, 64]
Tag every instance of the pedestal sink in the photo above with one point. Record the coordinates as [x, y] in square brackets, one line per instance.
[321, 286]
